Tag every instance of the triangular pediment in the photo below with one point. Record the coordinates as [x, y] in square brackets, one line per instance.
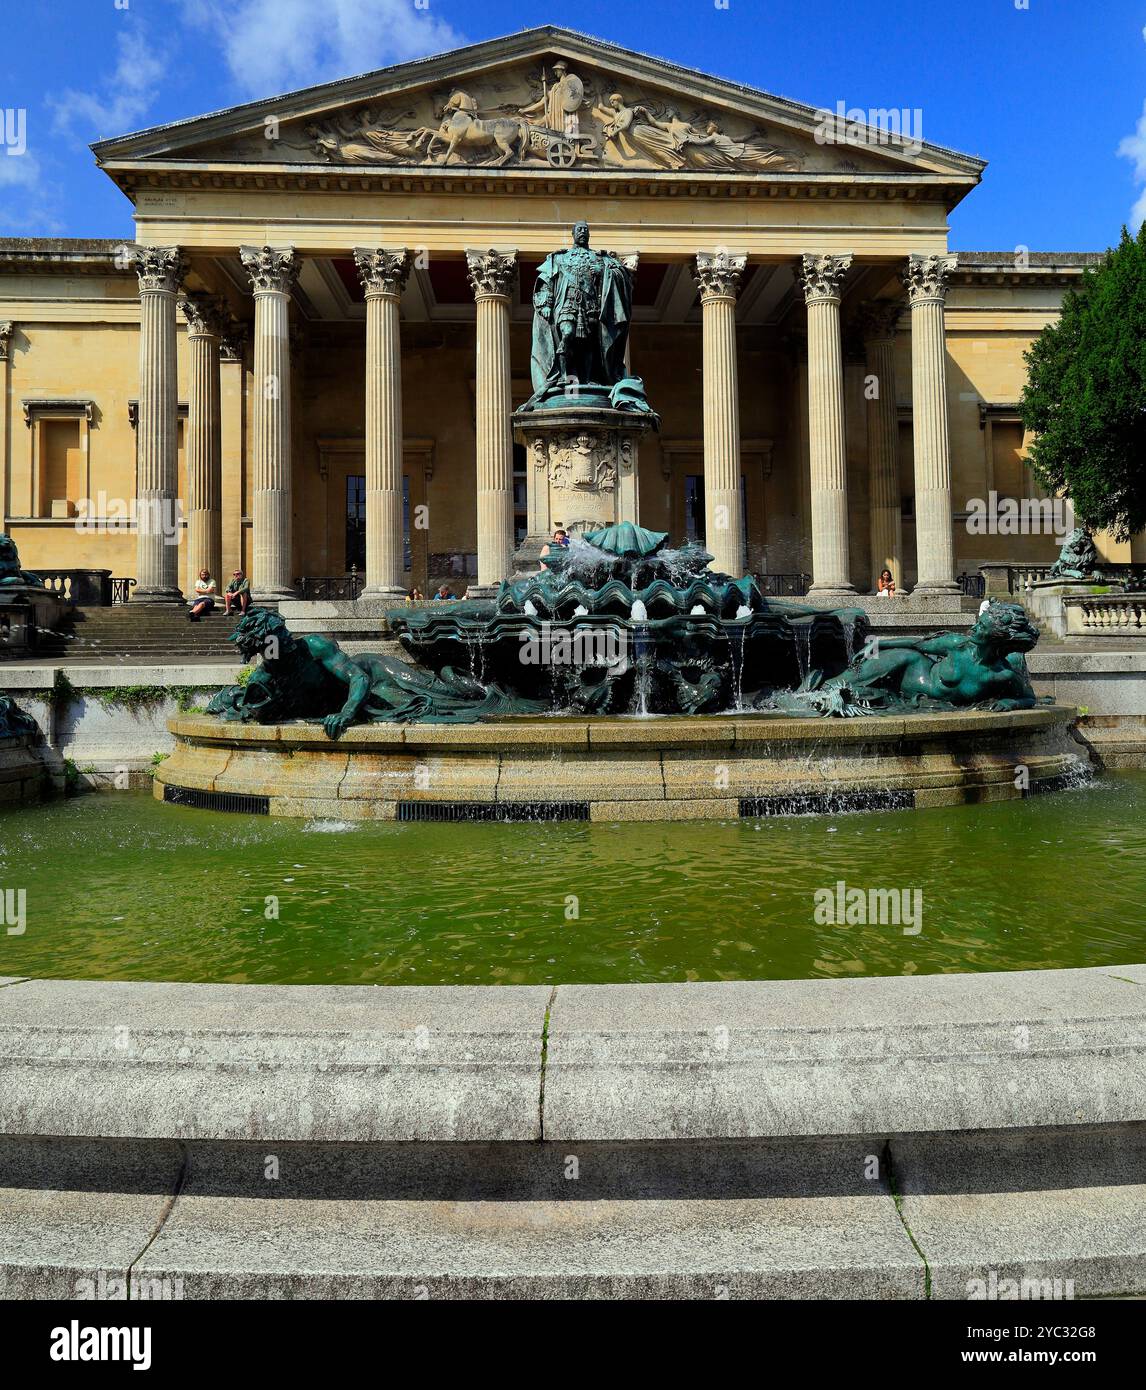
[543, 100]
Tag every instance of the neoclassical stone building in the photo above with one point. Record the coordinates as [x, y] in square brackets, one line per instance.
[311, 352]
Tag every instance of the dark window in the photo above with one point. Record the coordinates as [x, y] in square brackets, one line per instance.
[694, 507]
[356, 521]
[407, 553]
[520, 495]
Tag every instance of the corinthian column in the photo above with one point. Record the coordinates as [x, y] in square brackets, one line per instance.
[718, 276]
[6, 330]
[877, 323]
[206, 321]
[926, 280]
[492, 275]
[273, 271]
[821, 277]
[160, 270]
[383, 275]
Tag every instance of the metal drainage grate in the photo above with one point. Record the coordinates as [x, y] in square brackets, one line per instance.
[826, 803]
[217, 801]
[493, 810]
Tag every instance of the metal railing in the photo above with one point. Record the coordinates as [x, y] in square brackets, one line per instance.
[331, 588]
[783, 585]
[973, 585]
[121, 591]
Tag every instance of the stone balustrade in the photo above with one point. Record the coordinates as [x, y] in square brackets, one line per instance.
[1092, 615]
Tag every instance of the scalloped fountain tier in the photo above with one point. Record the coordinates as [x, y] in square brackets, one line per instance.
[619, 623]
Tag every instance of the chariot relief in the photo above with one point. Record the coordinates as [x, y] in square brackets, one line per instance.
[560, 120]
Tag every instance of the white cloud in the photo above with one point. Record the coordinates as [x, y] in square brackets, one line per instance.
[121, 102]
[1133, 147]
[272, 46]
[27, 207]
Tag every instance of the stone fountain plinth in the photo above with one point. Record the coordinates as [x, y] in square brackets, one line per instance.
[582, 471]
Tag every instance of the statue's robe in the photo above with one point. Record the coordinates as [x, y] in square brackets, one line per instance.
[562, 293]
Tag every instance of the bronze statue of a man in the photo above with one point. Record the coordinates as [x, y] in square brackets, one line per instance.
[582, 304]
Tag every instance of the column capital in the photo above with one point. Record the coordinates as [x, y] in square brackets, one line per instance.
[821, 277]
[233, 341]
[718, 274]
[927, 278]
[160, 268]
[877, 320]
[382, 271]
[206, 316]
[6, 331]
[491, 272]
[273, 269]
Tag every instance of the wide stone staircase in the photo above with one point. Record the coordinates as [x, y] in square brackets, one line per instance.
[146, 633]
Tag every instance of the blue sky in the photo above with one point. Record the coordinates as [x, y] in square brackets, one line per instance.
[1051, 92]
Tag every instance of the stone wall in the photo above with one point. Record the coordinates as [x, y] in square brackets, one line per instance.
[24, 771]
[104, 725]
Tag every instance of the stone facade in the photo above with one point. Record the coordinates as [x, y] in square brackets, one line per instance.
[355, 266]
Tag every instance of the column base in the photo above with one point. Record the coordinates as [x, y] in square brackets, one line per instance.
[482, 591]
[272, 596]
[382, 591]
[169, 596]
[832, 589]
[936, 586]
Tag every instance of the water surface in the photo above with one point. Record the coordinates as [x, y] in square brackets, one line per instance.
[120, 886]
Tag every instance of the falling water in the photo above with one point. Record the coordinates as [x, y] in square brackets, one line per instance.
[740, 668]
[803, 648]
[848, 623]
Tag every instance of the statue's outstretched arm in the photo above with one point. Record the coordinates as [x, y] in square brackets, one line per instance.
[347, 670]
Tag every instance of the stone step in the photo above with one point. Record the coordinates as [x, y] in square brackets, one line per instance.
[903, 1217]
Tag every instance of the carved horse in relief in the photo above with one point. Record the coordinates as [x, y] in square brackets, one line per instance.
[464, 130]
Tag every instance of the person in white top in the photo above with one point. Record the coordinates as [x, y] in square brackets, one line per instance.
[204, 600]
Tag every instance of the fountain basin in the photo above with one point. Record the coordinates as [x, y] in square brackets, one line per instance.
[610, 768]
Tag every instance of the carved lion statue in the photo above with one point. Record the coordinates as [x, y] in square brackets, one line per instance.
[14, 722]
[1078, 558]
[10, 571]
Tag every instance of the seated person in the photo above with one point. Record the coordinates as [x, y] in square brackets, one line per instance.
[237, 593]
[204, 600]
[886, 587]
[560, 541]
[443, 592]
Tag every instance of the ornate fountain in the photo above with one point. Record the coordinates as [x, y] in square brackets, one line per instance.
[620, 677]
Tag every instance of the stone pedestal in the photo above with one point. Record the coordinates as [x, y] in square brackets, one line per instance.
[27, 611]
[581, 471]
[1045, 596]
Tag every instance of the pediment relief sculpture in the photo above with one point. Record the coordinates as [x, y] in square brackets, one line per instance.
[558, 120]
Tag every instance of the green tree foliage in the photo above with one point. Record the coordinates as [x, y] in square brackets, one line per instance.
[1085, 397]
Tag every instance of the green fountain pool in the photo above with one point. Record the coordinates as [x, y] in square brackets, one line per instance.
[119, 886]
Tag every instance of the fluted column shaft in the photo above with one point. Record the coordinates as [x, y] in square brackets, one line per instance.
[203, 448]
[273, 271]
[491, 276]
[160, 270]
[926, 280]
[6, 331]
[822, 277]
[383, 274]
[886, 525]
[718, 275]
